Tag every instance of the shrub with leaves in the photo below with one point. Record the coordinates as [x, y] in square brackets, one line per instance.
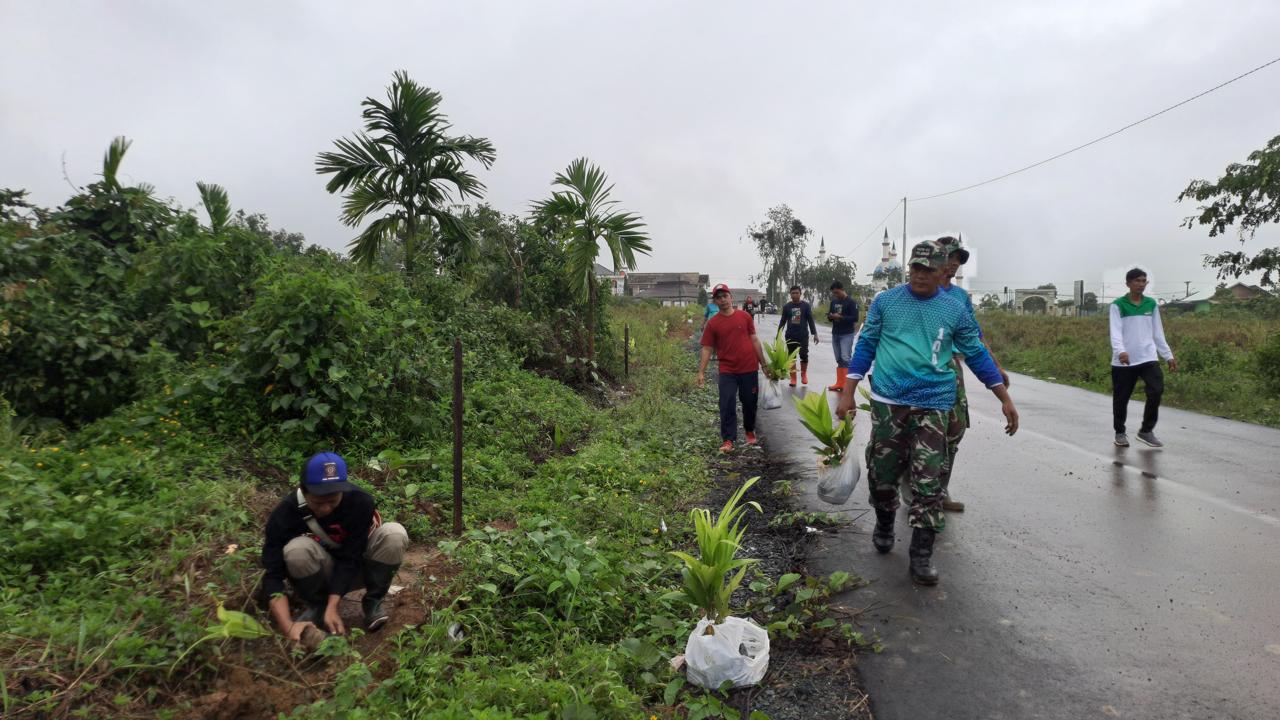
[707, 581]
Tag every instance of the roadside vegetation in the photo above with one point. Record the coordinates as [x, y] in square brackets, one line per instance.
[167, 369]
[1228, 360]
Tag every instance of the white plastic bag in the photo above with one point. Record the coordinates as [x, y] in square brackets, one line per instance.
[738, 651]
[772, 396]
[836, 482]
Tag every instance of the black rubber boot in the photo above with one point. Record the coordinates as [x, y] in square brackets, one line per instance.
[882, 536]
[377, 581]
[313, 591]
[922, 570]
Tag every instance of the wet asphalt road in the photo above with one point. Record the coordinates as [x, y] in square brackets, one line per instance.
[1083, 580]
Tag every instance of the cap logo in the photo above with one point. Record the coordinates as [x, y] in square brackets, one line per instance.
[331, 471]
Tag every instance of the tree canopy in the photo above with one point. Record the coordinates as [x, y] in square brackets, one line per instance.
[1247, 196]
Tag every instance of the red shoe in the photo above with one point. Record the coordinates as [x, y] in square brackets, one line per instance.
[751, 439]
[727, 447]
[793, 378]
[804, 373]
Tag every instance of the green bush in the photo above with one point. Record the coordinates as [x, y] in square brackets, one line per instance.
[1267, 361]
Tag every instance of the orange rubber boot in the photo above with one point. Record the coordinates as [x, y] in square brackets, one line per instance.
[804, 373]
[841, 374]
[793, 378]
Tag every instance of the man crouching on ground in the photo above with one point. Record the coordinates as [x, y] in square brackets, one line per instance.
[910, 333]
[328, 538]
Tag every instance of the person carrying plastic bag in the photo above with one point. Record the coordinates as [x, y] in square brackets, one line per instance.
[910, 333]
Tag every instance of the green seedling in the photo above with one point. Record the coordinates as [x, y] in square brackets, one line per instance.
[815, 415]
[707, 580]
[231, 624]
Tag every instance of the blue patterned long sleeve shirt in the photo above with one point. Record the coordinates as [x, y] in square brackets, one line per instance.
[911, 340]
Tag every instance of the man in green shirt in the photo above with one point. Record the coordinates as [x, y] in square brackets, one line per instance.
[1137, 338]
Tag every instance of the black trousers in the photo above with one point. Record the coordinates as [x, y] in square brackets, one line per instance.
[799, 342]
[1124, 378]
[735, 387]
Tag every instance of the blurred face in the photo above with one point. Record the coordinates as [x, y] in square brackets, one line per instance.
[322, 505]
[724, 301]
[924, 281]
[795, 296]
[1137, 285]
[952, 267]
[839, 293]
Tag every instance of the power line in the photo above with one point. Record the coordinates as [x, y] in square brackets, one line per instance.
[877, 227]
[1091, 142]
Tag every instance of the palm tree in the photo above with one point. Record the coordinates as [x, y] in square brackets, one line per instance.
[406, 166]
[588, 213]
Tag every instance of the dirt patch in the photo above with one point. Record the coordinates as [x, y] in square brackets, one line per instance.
[241, 695]
[808, 678]
[261, 679]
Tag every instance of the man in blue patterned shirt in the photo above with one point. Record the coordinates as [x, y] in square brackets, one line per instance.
[910, 333]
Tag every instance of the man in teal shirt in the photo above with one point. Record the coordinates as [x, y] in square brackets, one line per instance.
[910, 333]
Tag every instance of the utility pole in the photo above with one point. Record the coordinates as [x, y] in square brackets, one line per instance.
[1188, 293]
[902, 259]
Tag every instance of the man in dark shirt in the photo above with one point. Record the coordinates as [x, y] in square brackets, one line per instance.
[797, 317]
[732, 333]
[327, 538]
[844, 327]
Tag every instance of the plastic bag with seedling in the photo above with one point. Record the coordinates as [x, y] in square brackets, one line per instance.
[779, 362]
[838, 471]
[722, 647]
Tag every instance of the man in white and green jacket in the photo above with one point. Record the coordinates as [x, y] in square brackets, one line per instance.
[1137, 337]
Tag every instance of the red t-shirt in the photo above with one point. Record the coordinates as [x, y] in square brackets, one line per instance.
[731, 337]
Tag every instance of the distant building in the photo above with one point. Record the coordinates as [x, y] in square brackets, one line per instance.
[889, 265]
[1240, 291]
[676, 289]
[1035, 301]
[617, 281]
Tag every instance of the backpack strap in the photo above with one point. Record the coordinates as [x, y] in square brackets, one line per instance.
[314, 524]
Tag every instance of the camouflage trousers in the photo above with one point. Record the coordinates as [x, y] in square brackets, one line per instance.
[957, 422]
[908, 443]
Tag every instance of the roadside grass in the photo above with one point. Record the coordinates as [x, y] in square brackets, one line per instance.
[1219, 358]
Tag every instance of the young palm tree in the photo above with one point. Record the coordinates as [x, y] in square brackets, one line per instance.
[586, 210]
[406, 166]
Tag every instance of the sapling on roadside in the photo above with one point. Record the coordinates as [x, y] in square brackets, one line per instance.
[706, 584]
[721, 648]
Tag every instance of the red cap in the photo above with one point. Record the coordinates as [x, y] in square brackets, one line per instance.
[716, 290]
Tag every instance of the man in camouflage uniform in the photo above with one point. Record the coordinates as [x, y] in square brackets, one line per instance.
[911, 332]
[958, 418]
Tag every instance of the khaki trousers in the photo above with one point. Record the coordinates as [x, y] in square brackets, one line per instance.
[304, 557]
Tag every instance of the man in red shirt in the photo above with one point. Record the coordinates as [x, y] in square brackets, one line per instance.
[733, 335]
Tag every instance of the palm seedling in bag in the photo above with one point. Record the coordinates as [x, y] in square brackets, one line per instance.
[838, 472]
[779, 362]
[721, 647]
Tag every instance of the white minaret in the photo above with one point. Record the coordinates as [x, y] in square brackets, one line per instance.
[822, 249]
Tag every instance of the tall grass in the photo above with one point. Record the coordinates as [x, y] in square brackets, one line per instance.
[1218, 356]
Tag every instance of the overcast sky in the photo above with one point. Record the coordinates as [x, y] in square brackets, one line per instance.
[703, 114]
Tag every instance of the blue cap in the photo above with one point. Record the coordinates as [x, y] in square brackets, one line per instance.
[324, 474]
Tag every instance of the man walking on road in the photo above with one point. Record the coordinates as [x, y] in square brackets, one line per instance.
[1137, 337]
[910, 334]
[733, 335]
[843, 315]
[797, 316]
[958, 418]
